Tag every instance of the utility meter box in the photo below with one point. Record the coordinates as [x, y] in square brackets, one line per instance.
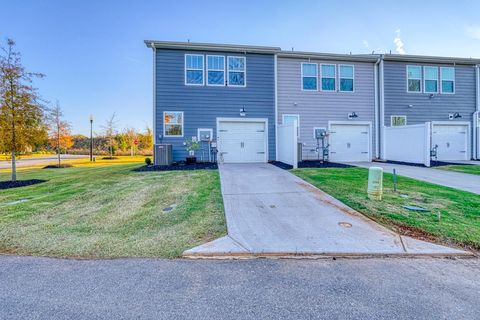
[320, 133]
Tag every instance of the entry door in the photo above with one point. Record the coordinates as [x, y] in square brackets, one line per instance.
[349, 142]
[452, 141]
[242, 141]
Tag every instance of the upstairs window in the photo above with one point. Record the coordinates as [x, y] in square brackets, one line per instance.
[430, 75]
[215, 70]
[236, 72]
[309, 76]
[447, 75]
[194, 69]
[414, 79]
[328, 74]
[346, 78]
[173, 124]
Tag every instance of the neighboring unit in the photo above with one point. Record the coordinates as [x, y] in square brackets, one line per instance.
[333, 92]
[221, 95]
[441, 93]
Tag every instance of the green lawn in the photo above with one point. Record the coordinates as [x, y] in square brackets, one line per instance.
[472, 169]
[459, 211]
[110, 211]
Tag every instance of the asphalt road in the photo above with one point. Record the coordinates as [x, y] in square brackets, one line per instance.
[4, 164]
[42, 288]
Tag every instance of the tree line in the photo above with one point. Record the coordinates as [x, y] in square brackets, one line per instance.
[28, 123]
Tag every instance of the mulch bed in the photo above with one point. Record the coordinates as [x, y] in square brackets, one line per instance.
[56, 166]
[109, 158]
[310, 164]
[180, 166]
[19, 183]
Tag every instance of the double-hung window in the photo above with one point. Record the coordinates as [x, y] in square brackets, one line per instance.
[447, 76]
[414, 79]
[173, 124]
[430, 75]
[346, 78]
[236, 71]
[309, 76]
[328, 74]
[194, 69]
[215, 70]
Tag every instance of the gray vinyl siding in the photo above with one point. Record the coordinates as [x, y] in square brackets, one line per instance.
[317, 108]
[202, 105]
[424, 108]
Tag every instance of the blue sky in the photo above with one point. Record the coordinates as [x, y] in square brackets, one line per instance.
[96, 63]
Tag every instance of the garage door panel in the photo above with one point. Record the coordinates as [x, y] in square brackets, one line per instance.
[242, 141]
[452, 141]
[349, 142]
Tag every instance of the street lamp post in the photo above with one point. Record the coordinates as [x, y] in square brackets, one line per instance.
[91, 137]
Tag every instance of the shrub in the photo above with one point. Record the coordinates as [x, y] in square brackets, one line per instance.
[148, 161]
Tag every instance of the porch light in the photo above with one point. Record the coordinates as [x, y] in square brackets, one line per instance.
[243, 112]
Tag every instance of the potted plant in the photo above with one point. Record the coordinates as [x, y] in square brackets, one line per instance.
[191, 145]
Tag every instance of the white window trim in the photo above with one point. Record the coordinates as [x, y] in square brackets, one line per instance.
[244, 72]
[340, 77]
[421, 82]
[441, 79]
[425, 80]
[186, 69]
[293, 115]
[316, 76]
[183, 127]
[208, 69]
[334, 77]
[315, 128]
[204, 129]
[397, 116]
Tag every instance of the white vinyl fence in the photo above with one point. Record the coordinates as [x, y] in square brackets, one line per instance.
[287, 143]
[411, 143]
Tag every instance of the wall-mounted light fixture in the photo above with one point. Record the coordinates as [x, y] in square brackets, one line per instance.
[431, 96]
[457, 115]
[295, 104]
[352, 115]
[243, 112]
[410, 105]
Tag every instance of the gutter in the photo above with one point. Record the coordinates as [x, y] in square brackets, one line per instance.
[381, 122]
[377, 125]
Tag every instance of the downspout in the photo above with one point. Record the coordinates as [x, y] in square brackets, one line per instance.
[381, 123]
[154, 124]
[476, 135]
[276, 105]
[377, 126]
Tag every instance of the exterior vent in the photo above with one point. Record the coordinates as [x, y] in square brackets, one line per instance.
[163, 154]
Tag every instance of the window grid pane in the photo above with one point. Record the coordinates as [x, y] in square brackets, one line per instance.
[309, 70]
[346, 72]
[173, 123]
[414, 72]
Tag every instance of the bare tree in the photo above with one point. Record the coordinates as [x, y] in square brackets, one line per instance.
[21, 113]
[131, 137]
[109, 131]
[60, 136]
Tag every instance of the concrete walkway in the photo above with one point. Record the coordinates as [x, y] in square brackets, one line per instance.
[457, 180]
[270, 211]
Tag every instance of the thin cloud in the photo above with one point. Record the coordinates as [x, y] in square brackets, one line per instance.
[365, 43]
[473, 31]
[398, 43]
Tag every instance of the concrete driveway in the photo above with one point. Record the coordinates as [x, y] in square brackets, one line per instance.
[270, 211]
[457, 180]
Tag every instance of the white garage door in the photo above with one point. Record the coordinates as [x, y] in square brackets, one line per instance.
[242, 141]
[452, 141]
[349, 142]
